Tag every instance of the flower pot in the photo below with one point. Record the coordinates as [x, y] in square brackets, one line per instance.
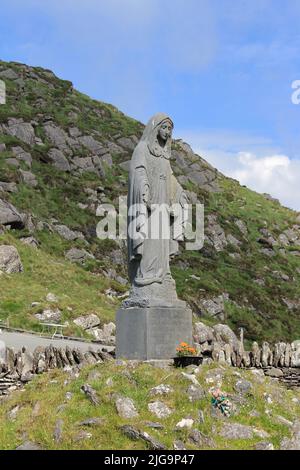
[184, 361]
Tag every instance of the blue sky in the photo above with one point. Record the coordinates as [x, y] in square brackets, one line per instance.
[223, 70]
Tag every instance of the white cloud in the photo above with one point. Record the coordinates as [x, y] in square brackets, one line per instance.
[259, 166]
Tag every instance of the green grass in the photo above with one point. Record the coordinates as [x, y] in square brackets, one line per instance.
[135, 382]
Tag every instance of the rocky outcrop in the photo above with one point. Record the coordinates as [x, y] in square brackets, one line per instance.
[9, 215]
[10, 261]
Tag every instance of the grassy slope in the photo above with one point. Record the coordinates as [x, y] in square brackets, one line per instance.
[135, 382]
[58, 195]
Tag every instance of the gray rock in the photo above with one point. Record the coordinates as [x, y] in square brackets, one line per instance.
[213, 307]
[161, 389]
[85, 164]
[225, 335]
[67, 233]
[12, 162]
[243, 386]
[185, 423]
[21, 155]
[203, 333]
[59, 160]
[126, 408]
[28, 178]
[292, 443]
[30, 241]
[76, 255]
[8, 187]
[82, 435]
[23, 131]
[91, 144]
[179, 445]
[195, 393]
[236, 431]
[49, 315]
[2, 148]
[274, 372]
[58, 431]
[241, 226]
[88, 321]
[10, 261]
[56, 135]
[28, 445]
[159, 409]
[91, 394]
[9, 74]
[215, 234]
[264, 446]
[9, 215]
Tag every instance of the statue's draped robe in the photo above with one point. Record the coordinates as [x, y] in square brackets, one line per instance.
[149, 257]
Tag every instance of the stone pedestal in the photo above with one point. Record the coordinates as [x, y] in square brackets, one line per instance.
[152, 332]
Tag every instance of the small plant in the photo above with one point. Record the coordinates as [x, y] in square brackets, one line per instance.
[185, 349]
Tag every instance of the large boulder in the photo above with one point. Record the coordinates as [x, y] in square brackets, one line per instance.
[87, 321]
[10, 261]
[225, 335]
[77, 255]
[9, 215]
[59, 160]
[22, 130]
[203, 333]
[28, 178]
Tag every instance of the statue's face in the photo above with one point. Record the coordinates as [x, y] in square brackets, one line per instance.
[165, 131]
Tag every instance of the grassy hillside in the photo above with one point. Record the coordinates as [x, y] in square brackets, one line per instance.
[49, 412]
[255, 268]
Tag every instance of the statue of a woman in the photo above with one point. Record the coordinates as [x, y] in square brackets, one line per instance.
[152, 185]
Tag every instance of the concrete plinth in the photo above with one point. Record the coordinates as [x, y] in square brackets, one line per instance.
[153, 332]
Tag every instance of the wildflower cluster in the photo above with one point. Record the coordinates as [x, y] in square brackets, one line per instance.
[185, 349]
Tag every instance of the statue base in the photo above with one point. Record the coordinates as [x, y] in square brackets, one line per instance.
[152, 333]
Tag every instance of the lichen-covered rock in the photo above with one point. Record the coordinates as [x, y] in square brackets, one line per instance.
[10, 261]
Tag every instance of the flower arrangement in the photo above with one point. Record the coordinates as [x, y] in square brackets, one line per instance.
[184, 349]
[220, 400]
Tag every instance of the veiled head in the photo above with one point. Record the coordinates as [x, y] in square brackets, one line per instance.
[158, 134]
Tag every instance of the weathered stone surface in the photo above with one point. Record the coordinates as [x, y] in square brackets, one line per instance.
[195, 393]
[28, 178]
[77, 255]
[28, 445]
[67, 233]
[203, 333]
[243, 386]
[264, 446]
[185, 423]
[30, 241]
[126, 408]
[161, 389]
[21, 155]
[233, 431]
[159, 409]
[161, 340]
[59, 160]
[274, 372]
[8, 187]
[23, 131]
[214, 307]
[215, 234]
[88, 321]
[9, 215]
[292, 443]
[49, 315]
[10, 261]
[225, 335]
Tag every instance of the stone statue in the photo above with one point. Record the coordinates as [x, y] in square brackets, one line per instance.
[152, 185]
[152, 321]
